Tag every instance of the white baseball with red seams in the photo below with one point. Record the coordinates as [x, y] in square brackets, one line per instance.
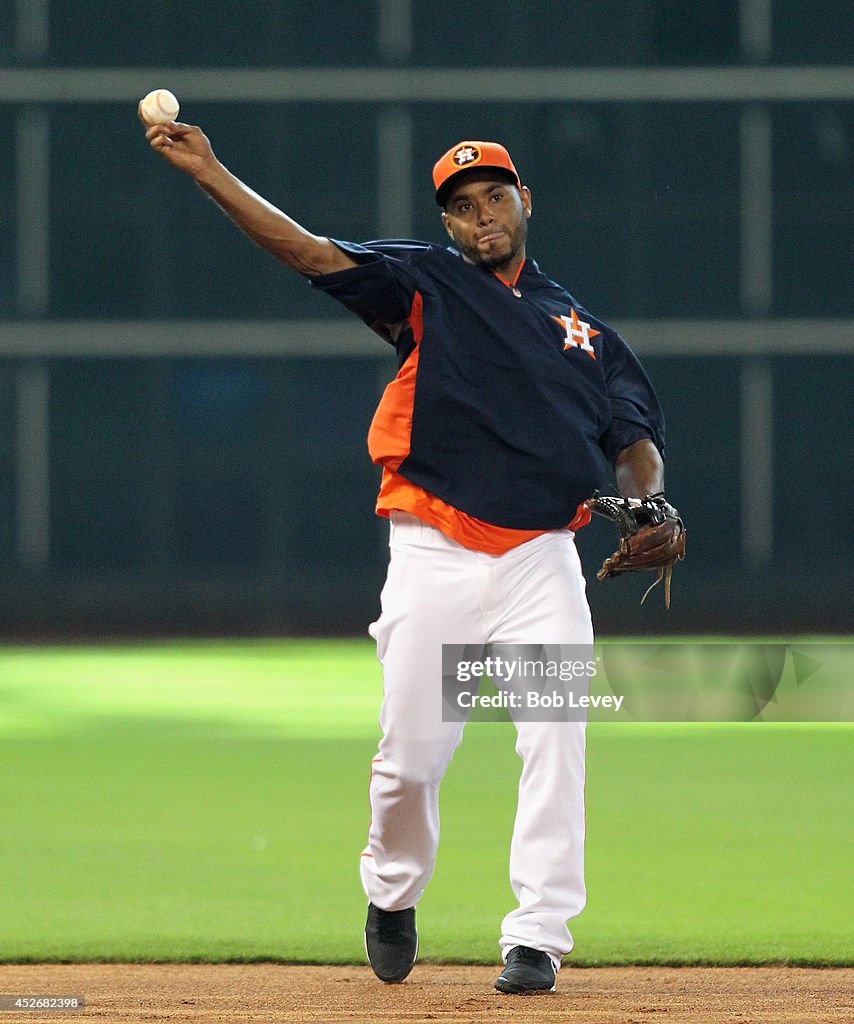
[159, 107]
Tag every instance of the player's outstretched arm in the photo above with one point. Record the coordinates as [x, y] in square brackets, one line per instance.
[639, 470]
[187, 147]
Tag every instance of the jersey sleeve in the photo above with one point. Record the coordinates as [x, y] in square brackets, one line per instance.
[381, 287]
[635, 409]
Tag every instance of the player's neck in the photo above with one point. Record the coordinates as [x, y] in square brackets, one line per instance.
[509, 271]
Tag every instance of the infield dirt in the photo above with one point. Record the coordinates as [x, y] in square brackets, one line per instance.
[293, 994]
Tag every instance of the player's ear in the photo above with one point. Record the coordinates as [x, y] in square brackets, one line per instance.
[527, 199]
[447, 224]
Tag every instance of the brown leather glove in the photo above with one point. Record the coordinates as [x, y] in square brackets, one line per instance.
[652, 536]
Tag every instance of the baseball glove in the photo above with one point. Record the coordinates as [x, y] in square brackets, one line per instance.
[652, 536]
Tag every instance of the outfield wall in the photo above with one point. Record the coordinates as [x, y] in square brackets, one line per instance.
[148, 493]
[182, 421]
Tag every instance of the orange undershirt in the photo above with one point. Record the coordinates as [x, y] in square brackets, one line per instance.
[399, 494]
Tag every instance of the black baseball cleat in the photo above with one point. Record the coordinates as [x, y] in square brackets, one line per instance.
[391, 942]
[526, 970]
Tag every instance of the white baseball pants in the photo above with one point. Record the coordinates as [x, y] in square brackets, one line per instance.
[436, 592]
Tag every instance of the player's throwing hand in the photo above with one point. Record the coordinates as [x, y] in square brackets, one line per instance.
[184, 145]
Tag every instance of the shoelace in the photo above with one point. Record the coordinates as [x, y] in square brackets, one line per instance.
[529, 956]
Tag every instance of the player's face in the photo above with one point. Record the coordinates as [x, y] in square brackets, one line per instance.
[487, 218]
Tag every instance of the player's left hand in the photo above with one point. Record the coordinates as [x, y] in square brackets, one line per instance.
[652, 536]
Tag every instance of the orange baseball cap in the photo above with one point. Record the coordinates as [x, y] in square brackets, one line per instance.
[466, 156]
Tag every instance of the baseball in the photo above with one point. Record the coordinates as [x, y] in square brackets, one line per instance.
[159, 107]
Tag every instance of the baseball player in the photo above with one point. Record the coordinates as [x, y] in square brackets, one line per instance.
[491, 437]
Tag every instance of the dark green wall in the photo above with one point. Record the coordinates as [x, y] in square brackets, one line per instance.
[236, 494]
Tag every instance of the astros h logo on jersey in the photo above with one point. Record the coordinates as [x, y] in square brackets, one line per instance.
[578, 333]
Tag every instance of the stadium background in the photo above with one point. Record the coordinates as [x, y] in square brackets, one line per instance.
[182, 453]
[182, 421]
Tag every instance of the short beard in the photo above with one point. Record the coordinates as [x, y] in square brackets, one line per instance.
[474, 255]
[491, 262]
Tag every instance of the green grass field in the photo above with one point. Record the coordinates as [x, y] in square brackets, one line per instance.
[208, 801]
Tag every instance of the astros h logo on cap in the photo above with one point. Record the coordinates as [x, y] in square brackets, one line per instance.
[466, 155]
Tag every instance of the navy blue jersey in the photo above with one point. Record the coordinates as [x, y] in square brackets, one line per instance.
[505, 397]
